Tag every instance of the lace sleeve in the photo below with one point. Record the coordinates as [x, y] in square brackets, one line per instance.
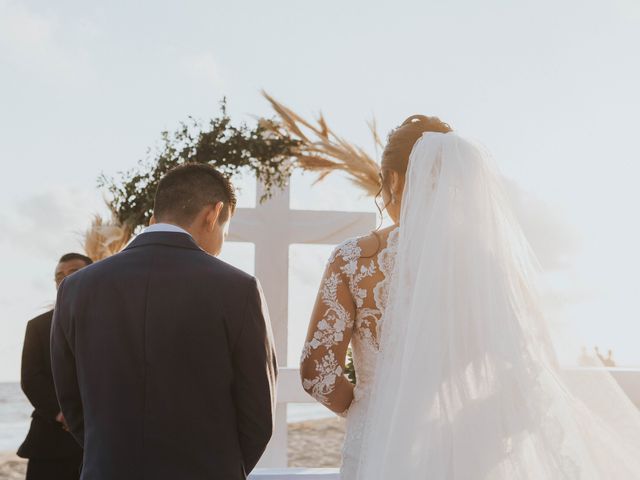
[330, 329]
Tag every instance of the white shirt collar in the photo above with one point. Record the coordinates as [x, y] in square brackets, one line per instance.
[165, 227]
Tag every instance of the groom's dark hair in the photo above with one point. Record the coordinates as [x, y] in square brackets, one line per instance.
[185, 190]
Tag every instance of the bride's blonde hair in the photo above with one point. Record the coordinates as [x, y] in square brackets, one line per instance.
[401, 140]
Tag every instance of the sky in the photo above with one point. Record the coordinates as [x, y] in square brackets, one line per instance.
[549, 87]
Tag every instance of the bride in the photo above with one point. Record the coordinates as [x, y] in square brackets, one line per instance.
[456, 374]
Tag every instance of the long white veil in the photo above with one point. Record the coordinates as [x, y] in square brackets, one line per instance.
[467, 384]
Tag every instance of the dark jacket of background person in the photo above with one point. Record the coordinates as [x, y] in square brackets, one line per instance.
[46, 439]
[163, 362]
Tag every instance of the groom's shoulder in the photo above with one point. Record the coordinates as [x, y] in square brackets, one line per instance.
[216, 266]
[195, 264]
[202, 266]
[223, 276]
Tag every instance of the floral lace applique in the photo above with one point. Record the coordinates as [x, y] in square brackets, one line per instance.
[330, 330]
[328, 370]
[357, 280]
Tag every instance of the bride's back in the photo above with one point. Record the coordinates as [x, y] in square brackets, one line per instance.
[352, 298]
[349, 307]
[367, 263]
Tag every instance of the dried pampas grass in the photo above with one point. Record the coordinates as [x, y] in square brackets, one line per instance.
[322, 151]
[105, 238]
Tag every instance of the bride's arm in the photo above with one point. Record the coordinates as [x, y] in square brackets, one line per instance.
[325, 350]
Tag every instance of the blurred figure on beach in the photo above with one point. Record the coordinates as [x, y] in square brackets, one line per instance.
[607, 361]
[596, 359]
[52, 452]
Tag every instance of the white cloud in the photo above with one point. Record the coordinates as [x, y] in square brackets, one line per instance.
[24, 28]
[203, 66]
[48, 223]
[630, 9]
[34, 42]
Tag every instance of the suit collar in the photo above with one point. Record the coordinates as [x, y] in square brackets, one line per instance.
[164, 227]
[169, 239]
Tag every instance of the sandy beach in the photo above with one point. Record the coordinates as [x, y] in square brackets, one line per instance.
[315, 443]
[12, 467]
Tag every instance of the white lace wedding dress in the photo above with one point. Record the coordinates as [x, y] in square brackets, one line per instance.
[461, 382]
[467, 385]
[351, 302]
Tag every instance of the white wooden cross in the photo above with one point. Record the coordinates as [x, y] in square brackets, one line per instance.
[272, 227]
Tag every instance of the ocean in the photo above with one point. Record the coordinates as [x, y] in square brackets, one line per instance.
[15, 413]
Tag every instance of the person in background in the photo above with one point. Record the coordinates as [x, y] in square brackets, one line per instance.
[609, 361]
[52, 451]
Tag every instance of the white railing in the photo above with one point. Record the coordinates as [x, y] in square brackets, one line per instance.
[290, 391]
[295, 474]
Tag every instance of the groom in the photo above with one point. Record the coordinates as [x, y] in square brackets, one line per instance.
[162, 355]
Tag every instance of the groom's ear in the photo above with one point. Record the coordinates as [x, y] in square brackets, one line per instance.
[153, 220]
[213, 216]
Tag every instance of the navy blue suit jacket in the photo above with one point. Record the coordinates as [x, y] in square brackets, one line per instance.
[163, 363]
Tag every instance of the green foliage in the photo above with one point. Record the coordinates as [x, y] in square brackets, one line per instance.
[231, 149]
